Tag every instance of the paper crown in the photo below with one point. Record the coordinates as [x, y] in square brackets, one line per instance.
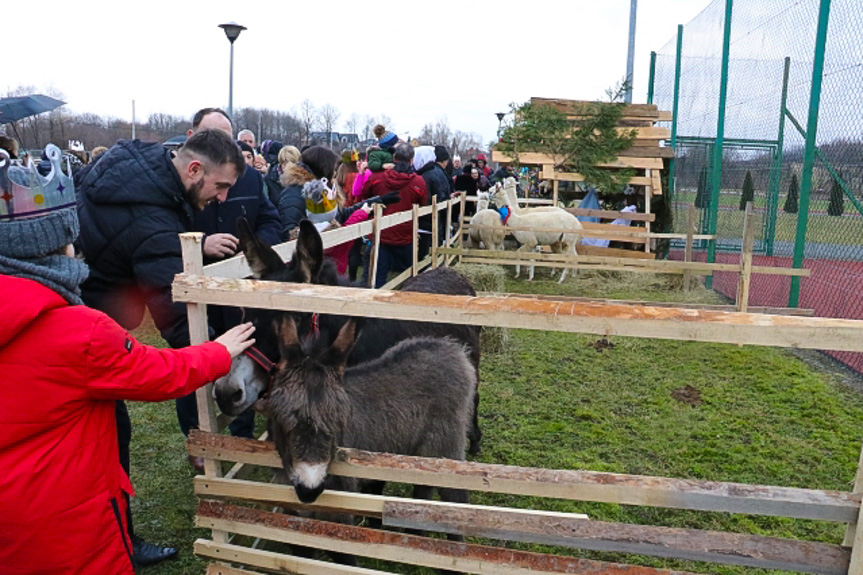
[25, 193]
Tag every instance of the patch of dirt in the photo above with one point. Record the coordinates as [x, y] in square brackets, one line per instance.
[687, 394]
[601, 344]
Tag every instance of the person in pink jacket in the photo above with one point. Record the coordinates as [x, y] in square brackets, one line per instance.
[62, 490]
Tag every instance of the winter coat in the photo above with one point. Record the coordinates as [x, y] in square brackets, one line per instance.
[62, 486]
[132, 206]
[412, 190]
[437, 186]
[292, 204]
[378, 159]
[271, 181]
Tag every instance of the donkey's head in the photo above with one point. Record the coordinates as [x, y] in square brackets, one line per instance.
[308, 405]
[250, 373]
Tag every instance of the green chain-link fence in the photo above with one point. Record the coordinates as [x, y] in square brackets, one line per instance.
[761, 139]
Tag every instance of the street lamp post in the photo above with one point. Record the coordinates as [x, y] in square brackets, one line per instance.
[500, 116]
[232, 31]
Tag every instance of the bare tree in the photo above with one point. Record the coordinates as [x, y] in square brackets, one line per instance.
[307, 117]
[426, 137]
[442, 133]
[368, 125]
[328, 115]
[352, 123]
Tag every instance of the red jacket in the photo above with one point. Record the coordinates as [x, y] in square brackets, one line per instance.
[412, 190]
[62, 508]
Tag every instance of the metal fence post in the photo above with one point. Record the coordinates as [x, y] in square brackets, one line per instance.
[651, 79]
[809, 150]
[672, 183]
[776, 174]
[716, 176]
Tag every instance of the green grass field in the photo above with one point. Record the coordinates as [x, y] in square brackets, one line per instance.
[754, 415]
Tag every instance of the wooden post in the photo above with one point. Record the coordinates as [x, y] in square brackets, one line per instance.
[746, 259]
[555, 186]
[415, 245]
[448, 234]
[687, 257]
[199, 332]
[461, 225]
[435, 237]
[648, 194]
[376, 242]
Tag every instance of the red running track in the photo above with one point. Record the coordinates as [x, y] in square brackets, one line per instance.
[835, 289]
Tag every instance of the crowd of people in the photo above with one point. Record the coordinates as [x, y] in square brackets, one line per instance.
[84, 255]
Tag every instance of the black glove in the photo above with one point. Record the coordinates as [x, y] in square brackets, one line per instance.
[386, 199]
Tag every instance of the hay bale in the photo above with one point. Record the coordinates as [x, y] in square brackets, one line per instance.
[489, 279]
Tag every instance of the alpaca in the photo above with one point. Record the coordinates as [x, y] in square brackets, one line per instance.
[492, 232]
[538, 222]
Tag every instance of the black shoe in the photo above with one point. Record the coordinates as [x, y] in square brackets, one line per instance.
[145, 553]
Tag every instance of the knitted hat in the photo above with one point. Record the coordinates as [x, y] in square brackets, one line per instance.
[320, 201]
[244, 147]
[37, 214]
[386, 140]
[440, 153]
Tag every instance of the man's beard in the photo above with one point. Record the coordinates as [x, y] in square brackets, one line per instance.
[193, 195]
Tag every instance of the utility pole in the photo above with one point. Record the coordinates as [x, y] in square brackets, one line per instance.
[630, 56]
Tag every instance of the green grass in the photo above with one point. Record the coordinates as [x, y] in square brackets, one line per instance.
[554, 401]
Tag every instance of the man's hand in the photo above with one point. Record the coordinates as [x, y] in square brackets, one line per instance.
[237, 339]
[220, 245]
[261, 164]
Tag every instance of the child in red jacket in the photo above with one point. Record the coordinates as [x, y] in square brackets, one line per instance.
[62, 492]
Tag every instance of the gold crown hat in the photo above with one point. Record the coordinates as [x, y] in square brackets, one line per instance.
[25, 193]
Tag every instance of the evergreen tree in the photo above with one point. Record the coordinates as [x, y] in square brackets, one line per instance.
[748, 194]
[837, 199]
[702, 195]
[792, 197]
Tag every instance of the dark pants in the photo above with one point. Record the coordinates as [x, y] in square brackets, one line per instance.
[124, 438]
[355, 257]
[187, 414]
[392, 259]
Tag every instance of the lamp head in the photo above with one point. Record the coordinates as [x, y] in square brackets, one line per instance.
[232, 30]
[500, 116]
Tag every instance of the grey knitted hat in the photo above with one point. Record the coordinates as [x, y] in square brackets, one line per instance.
[37, 214]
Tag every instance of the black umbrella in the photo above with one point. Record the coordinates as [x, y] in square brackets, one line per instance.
[19, 107]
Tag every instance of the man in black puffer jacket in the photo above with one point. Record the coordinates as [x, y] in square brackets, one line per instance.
[132, 204]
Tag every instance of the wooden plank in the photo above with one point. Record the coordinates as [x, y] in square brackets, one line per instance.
[667, 323]
[615, 253]
[645, 264]
[692, 544]
[434, 230]
[225, 569]
[745, 278]
[647, 210]
[548, 174]
[687, 257]
[340, 501]
[539, 159]
[376, 245]
[577, 106]
[654, 151]
[656, 182]
[611, 215]
[563, 484]
[271, 561]
[715, 307]
[401, 548]
[415, 243]
[239, 268]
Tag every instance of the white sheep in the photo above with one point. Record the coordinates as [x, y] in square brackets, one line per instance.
[539, 221]
[486, 227]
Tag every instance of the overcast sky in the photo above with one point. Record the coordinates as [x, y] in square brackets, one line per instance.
[415, 62]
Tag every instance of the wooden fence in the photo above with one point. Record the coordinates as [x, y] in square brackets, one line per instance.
[248, 510]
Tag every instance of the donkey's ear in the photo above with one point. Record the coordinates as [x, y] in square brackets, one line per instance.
[338, 353]
[262, 258]
[289, 341]
[309, 253]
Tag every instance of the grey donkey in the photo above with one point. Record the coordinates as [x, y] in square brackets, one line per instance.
[415, 399]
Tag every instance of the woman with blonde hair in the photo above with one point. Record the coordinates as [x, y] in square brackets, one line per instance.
[287, 157]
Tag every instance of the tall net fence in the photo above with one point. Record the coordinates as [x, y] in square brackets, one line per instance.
[765, 145]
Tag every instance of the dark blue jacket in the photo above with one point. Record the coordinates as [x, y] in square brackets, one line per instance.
[132, 206]
[247, 198]
[437, 185]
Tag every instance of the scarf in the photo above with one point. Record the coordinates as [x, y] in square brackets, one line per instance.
[60, 273]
